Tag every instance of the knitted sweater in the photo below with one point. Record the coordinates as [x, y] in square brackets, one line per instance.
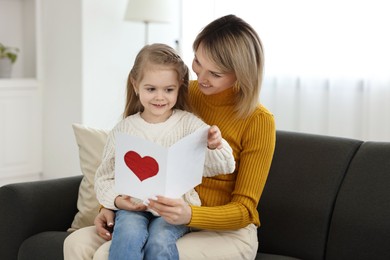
[230, 201]
[179, 125]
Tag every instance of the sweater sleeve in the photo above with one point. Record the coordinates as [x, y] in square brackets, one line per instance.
[258, 144]
[105, 175]
[219, 161]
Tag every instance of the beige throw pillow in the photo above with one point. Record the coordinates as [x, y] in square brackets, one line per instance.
[91, 143]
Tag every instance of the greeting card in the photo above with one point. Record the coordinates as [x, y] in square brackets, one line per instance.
[144, 169]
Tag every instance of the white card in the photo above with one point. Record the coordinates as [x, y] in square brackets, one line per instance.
[144, 169]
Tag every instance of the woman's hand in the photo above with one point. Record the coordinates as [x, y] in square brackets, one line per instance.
[174, 211]
[214, 138]
[104, 223]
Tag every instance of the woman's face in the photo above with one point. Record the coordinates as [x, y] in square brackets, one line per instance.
[211, 79]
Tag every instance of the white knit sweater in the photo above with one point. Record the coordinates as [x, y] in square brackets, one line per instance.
[179, 125]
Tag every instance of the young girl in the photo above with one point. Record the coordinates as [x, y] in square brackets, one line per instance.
[155, 110]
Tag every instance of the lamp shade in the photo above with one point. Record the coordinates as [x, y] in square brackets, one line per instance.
[154, 11]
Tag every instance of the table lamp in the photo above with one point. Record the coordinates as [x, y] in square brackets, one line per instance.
[149, 11]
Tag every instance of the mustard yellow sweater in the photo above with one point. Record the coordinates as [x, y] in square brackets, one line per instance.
[230, 201]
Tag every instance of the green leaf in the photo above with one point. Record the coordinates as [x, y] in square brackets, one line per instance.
[8, 52]
[12, 57]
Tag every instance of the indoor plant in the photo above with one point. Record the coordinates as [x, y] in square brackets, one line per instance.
[8, 56]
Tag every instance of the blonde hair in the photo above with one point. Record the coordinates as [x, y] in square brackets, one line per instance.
[234, 46]
[160, 55]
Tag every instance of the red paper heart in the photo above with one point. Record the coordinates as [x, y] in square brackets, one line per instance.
[142, 167]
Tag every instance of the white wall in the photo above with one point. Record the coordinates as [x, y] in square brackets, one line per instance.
[110, 45]
[88, 52]
[62, 85]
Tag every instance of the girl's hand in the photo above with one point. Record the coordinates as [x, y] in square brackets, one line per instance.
[214, 138]
[125, 202]
[174, 211]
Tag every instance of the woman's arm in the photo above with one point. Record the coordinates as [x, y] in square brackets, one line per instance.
[258, 143]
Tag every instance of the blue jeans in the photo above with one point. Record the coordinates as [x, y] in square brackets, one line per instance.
[141, 235]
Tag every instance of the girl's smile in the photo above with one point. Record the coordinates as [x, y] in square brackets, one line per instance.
[158, 91]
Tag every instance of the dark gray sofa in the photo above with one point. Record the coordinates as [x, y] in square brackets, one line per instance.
[325, 198]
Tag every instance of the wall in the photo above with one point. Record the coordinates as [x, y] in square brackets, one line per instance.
[62, 85]
[88, 52]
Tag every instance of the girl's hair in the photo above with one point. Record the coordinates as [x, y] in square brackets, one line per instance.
[234, 46]
[156, 55]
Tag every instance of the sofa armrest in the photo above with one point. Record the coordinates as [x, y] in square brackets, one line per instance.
[32, 207]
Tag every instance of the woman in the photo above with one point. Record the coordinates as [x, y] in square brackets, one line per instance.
[229, 65]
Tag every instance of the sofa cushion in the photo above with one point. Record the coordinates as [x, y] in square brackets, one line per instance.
[298, 198]
[45, 245]
[91, 143]
[30, 208]
[360, 227]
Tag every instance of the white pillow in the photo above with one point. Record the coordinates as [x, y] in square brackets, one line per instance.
[91, 142]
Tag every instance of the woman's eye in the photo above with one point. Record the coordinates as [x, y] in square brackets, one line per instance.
[215, 75]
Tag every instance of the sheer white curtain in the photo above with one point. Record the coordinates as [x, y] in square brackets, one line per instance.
[327, 62]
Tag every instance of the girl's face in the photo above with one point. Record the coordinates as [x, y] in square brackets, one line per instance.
[158, 91]
[211, 80]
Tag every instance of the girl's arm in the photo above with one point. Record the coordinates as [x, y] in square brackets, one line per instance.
[105, 175]
[219, 155]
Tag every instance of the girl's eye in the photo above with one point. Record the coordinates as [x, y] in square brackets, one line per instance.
[169, 90]
[150, 89]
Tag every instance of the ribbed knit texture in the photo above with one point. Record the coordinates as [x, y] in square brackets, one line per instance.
[230, 201]
[179, 125]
